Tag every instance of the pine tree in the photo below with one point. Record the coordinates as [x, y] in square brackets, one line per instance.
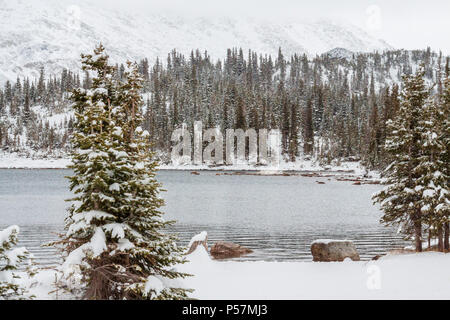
[375, 136]
[401, 199]
[241, 122]
[308, 129]
[431, 170]
[10, 259]
[26, 109]
[41, 86]
[293, 144]
[114, 224]
[445, 155]
[153, 254]
[85, 239]
[285, 123]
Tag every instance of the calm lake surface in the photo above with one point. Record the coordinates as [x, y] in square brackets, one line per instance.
[276, 216]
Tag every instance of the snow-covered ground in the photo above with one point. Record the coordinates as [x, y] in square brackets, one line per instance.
[410, 276]
[391, 277]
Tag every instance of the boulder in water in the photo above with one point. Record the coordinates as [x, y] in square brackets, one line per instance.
[226, 250]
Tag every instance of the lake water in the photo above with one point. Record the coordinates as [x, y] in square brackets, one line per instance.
[276, 216]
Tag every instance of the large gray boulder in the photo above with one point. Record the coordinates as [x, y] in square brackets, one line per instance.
[226, 250]
[333, 250]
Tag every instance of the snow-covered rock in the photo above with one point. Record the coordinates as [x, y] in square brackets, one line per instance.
[200, 239]
[225, 250]
[333, 250]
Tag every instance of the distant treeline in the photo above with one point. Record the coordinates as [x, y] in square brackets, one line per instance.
[328, 108]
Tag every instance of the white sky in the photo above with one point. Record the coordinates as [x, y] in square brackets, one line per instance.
[409, 24]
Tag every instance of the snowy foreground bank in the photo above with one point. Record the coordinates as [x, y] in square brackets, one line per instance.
[15, 161]
[410, 276]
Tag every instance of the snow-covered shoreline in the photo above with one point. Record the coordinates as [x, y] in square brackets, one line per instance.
[15, 161]
[382, 279]
[221, 280]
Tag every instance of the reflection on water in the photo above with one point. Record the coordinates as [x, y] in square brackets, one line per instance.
[277, 217]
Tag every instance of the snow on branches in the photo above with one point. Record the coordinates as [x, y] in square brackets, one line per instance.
[114, 242]
[10, 260]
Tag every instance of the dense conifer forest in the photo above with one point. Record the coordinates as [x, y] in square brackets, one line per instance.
[329, 108]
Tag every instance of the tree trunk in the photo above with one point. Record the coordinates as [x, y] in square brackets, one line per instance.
[446, 235]
[418, 235]
[440, 238]
[429, 238]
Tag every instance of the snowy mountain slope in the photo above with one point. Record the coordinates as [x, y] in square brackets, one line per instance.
[53, 33]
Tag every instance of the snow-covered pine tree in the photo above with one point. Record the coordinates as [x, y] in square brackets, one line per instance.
[85, 240]
[151, 253]
[445, 156]
[401, 199]
[10, 258]
[432, 181]
[308, 130]
[114, 225]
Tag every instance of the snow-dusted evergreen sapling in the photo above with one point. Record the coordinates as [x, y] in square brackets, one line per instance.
[114, 225]
[401, 199]
[10, 258]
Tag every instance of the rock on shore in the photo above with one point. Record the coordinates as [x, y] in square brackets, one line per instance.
[225, 250]
[333, 250]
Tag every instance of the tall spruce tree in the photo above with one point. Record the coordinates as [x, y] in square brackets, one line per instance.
[444, 210]
[401, 199]
[308, 131]
[114, 227]
[432, 181]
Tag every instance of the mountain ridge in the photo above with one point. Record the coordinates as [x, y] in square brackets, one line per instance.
[52, 34]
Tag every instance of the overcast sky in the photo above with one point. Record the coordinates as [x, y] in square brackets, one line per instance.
[410, 24]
